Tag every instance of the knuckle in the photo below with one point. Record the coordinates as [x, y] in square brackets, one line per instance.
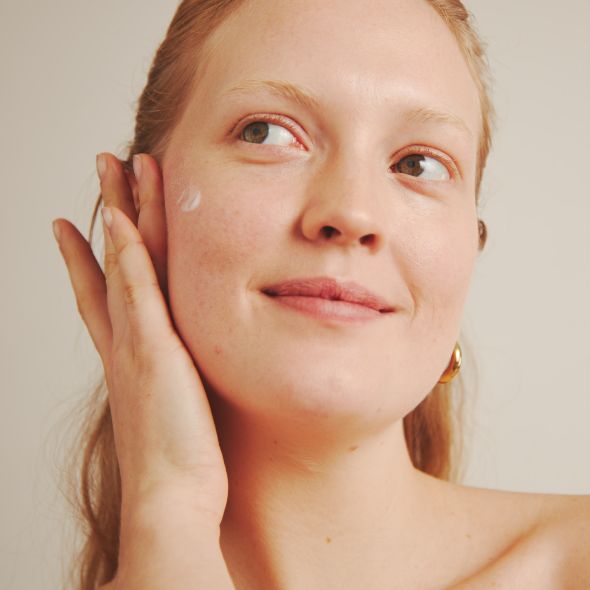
[132, 294]
[135, 293]
[130, 246]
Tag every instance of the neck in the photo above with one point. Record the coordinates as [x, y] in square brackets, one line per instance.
[313, 490]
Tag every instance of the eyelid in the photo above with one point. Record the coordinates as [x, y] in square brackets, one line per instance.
[447, 161]
[237, 129]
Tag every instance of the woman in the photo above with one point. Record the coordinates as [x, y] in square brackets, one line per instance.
[276, 332]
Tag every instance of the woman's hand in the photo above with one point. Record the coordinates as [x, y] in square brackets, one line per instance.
[171, 466]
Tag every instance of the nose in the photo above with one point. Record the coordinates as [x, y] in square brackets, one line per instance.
[343, 207]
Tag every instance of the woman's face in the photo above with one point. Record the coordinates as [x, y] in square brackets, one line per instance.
[384, 154]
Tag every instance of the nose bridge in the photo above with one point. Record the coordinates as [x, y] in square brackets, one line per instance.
[343, 204]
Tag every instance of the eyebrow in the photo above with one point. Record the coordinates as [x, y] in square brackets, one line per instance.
[279, 88]
[301, 96]
[425, 114]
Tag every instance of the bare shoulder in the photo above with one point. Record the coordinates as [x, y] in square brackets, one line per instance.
[552, 542]
[566, 529]
[532, 540]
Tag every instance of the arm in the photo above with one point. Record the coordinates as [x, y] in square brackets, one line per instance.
[163, 549]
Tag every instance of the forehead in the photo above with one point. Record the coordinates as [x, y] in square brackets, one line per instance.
[351, 55]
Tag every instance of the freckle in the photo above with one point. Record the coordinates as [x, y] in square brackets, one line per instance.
[274, 442]
[352, 449]
[189, 199]
[328, 540]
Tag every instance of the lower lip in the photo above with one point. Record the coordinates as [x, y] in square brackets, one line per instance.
[327, 308]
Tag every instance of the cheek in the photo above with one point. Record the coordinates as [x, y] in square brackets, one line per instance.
[219, 235]
[440, 255]
[218, 254]
[189, 199]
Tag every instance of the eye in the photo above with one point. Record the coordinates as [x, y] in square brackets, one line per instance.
[261, 131]
[420, 165]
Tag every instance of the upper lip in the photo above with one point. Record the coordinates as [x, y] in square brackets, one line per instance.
[330, 288]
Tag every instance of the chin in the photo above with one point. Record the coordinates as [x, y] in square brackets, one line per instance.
[311, 394]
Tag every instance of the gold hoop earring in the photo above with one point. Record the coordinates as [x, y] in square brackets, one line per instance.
[453, 367]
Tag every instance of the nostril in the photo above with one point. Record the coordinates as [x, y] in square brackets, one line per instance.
[328, 231]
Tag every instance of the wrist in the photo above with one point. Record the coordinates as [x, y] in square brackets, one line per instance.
[164, 548]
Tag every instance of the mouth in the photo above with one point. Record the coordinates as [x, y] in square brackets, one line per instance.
[327, 296]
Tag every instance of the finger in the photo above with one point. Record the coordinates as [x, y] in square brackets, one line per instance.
[152, 214]
[115, 188]
[134, 185]
[108, 195]
[109, 185]
[88, 283]
[147, 313]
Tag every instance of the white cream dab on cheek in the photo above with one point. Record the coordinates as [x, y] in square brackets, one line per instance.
[189, 199]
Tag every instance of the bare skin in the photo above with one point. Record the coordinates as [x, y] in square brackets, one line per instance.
[300, 464]
[469, 538]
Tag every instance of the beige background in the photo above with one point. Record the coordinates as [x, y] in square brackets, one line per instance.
[70, 73]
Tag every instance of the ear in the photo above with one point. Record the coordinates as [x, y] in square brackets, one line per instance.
[483, 233]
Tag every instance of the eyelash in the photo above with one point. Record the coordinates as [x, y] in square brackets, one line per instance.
[266, 118]
[446, 161]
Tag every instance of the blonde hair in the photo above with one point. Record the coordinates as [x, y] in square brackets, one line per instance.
[432, 429]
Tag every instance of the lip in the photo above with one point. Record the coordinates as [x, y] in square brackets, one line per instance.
[326, 295]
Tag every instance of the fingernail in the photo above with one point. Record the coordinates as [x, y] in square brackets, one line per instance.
[137, 167]
[101, 165]
[56, 231]
[107, 216]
